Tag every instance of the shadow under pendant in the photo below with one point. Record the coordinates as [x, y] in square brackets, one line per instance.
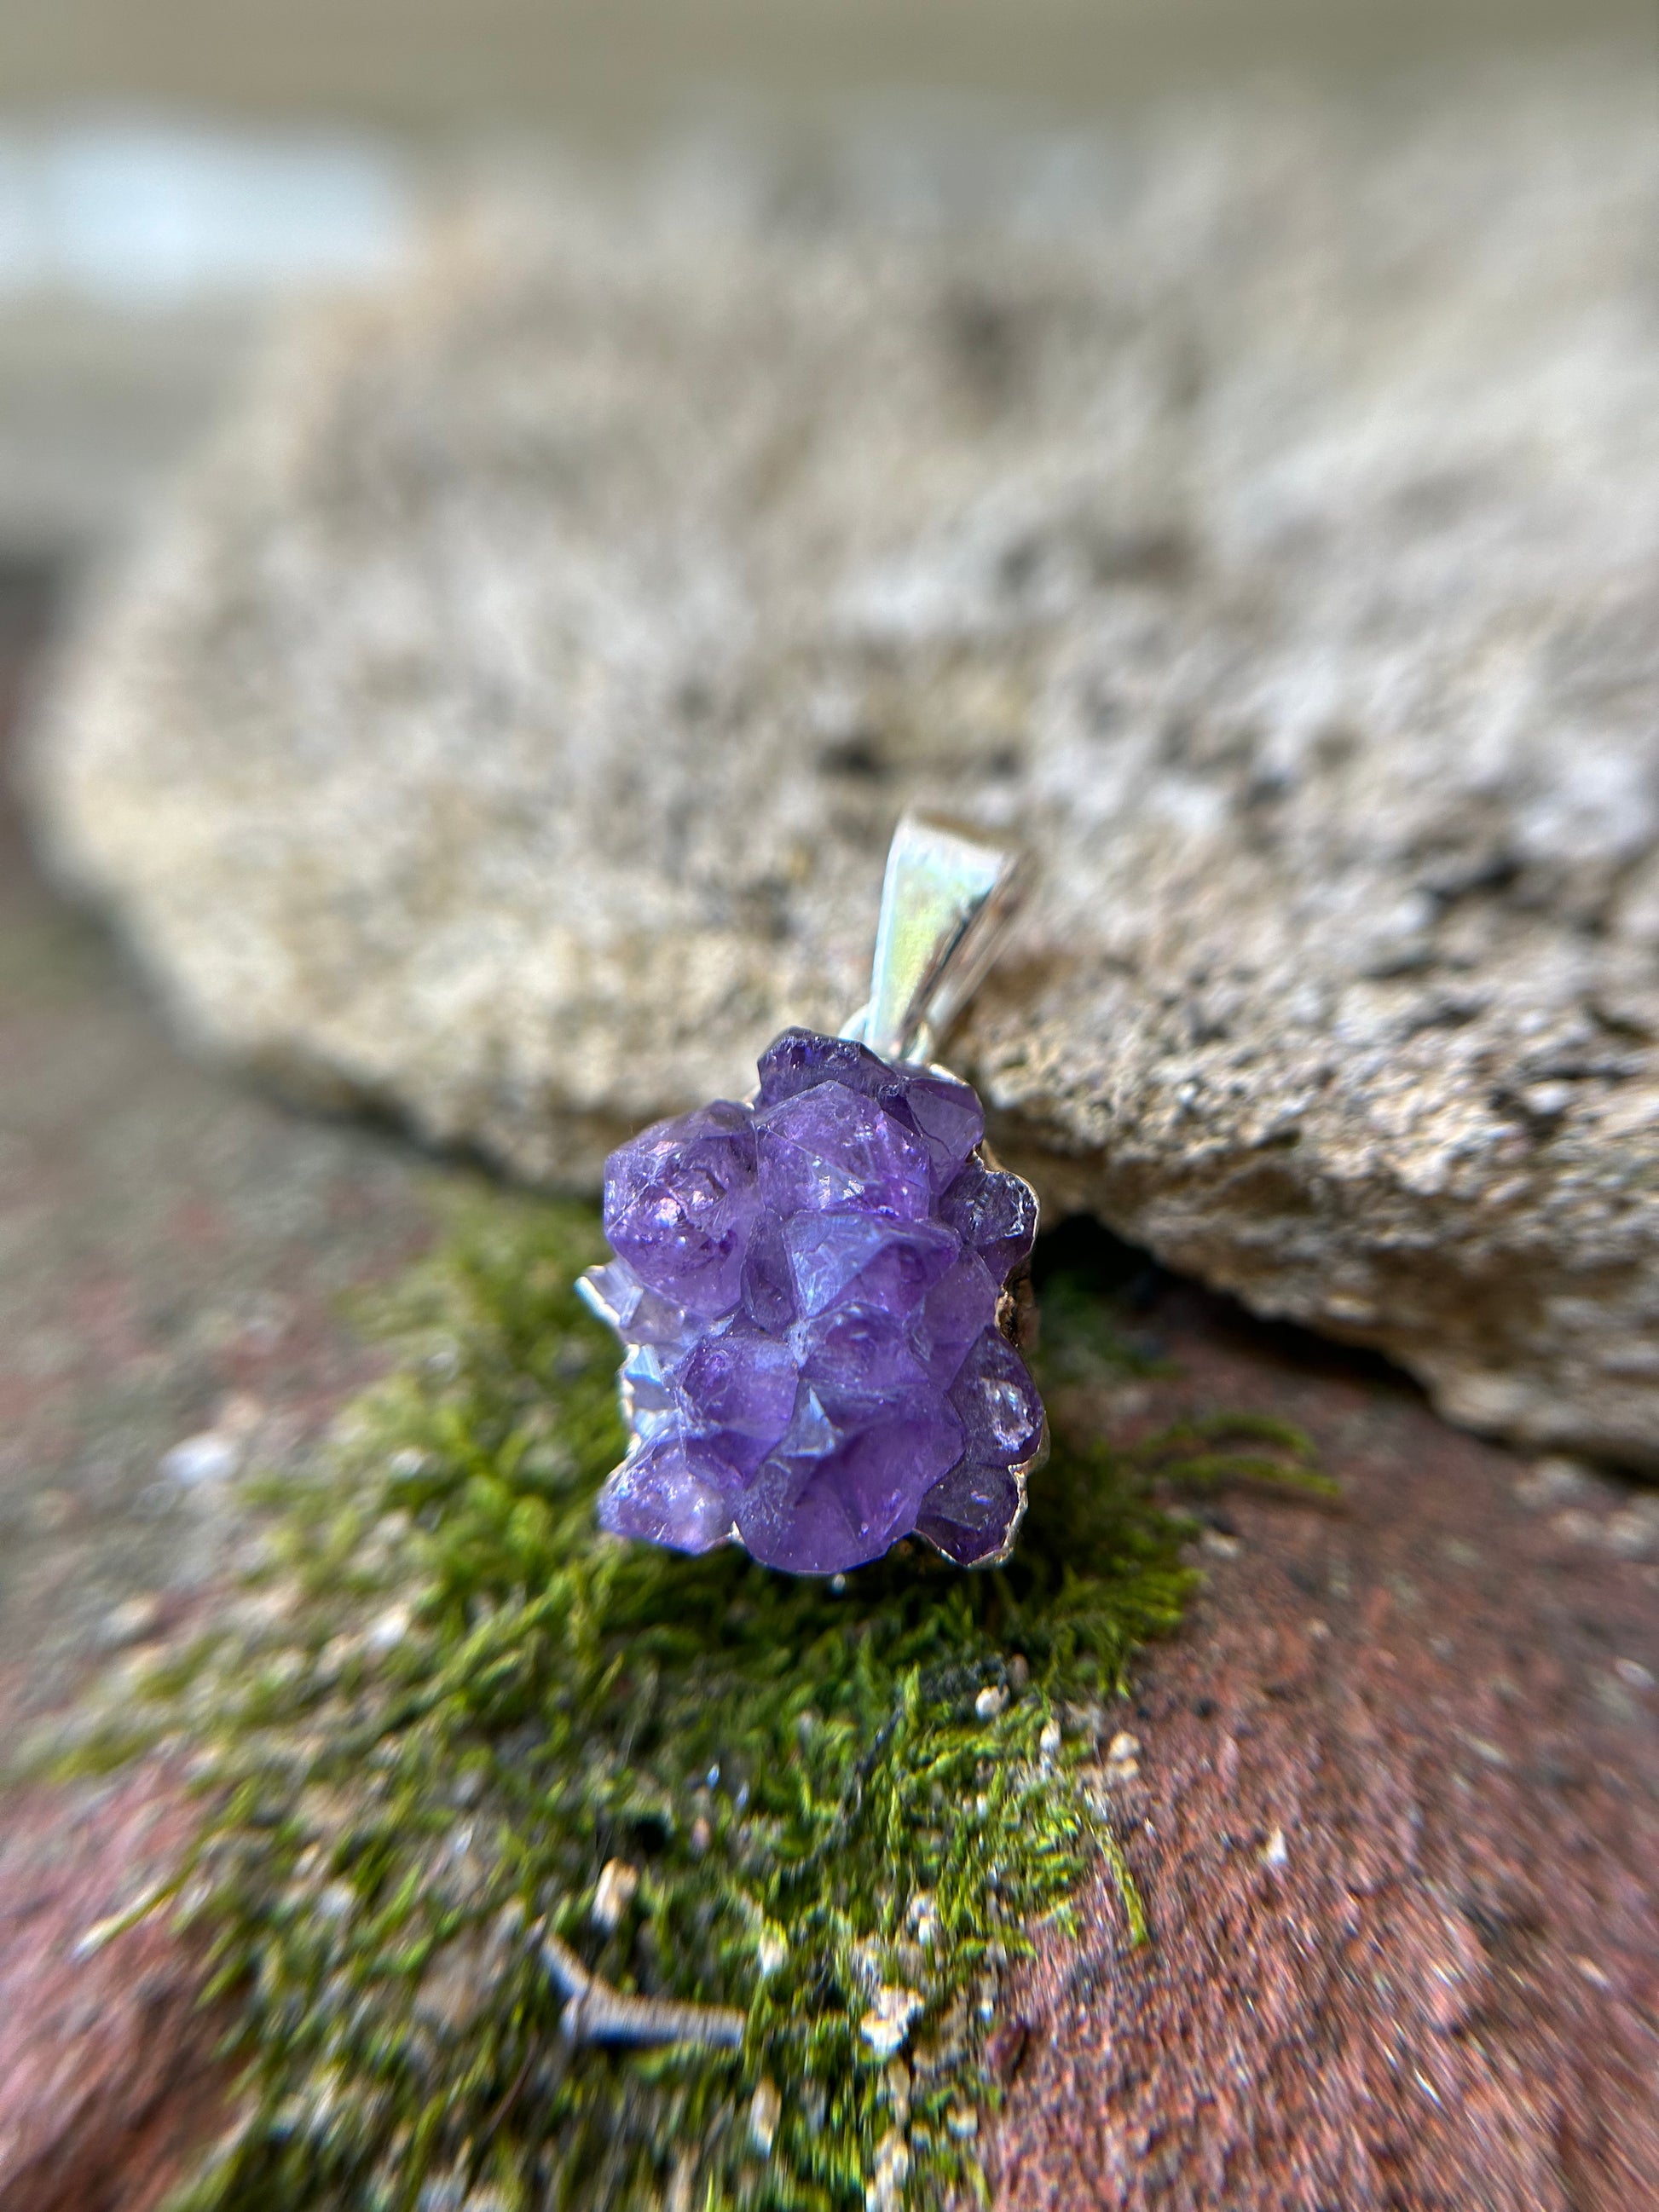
[816, 1288]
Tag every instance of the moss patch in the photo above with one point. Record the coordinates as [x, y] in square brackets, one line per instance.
[446, 1704]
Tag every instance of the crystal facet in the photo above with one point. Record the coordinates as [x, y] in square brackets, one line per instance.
[808, 1292]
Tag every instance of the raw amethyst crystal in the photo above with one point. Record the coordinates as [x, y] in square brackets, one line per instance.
[807, 1288]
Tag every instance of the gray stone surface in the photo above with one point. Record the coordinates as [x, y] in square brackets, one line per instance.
[1260, 513]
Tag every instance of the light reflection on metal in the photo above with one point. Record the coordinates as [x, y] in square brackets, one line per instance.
[947, 900]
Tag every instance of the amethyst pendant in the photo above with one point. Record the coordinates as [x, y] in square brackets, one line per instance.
[812, 1288]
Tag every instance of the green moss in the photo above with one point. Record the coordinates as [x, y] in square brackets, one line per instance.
[448, 1702]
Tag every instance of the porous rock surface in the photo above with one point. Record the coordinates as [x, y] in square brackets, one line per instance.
[1390, 1800]
[1258, 512]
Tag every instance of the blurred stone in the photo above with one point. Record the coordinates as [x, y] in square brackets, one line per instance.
[209, 1457]
[178, 1250]
[1258, 512]
[1393, 1828]
[132, 1621]
[614, 1892]
[112, 2074]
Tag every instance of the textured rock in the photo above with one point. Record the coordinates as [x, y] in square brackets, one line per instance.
[1393, 1812]
[112, 2075]
[1262, 516]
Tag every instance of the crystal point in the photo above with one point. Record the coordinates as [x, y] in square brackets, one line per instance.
[668, 1492]
[831, 1147]
[994, 1211]
[679, 1202]
[970, 1514]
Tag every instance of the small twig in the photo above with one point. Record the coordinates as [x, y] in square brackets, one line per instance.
[507, 2103]
[480, 2148]
[596, 2012]
[105, 1932]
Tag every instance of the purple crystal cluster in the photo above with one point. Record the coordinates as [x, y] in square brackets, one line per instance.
[807, 1290]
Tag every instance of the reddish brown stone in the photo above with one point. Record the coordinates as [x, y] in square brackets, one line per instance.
[1396, 1826]
[111, 2076]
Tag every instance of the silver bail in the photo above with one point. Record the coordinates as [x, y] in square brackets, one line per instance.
[947, 900]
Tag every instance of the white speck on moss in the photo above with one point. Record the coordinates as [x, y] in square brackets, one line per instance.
[886, 2025]
[765, 2109]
